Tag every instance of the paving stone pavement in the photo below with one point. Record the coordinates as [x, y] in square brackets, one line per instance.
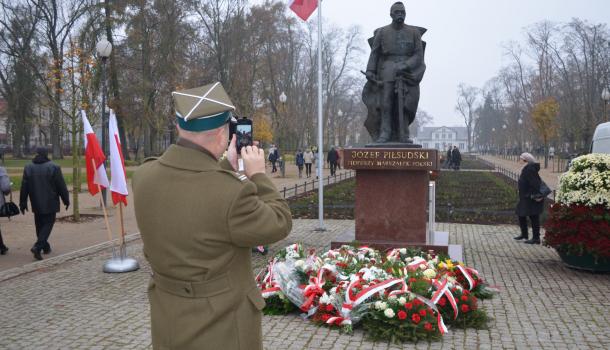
[68, 303]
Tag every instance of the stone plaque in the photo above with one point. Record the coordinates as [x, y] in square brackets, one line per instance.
[391, 159]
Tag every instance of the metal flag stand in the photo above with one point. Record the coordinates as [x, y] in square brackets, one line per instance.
[121, 263]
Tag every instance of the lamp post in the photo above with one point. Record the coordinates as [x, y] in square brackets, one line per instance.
[104, 48]
[493, 130]
[520, 122]
[606, 98]
[505, 140]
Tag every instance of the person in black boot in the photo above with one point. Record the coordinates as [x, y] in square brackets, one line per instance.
[44, 184]
[5, 187]
[529, 185]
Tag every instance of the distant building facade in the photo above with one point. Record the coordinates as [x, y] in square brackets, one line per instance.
[442, 137]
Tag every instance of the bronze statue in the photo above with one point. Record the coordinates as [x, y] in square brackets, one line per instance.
[395, 69]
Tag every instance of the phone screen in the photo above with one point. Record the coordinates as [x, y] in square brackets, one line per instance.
[244, 136]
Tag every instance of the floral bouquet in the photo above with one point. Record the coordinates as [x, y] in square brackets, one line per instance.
[579, 222]
[402, 295]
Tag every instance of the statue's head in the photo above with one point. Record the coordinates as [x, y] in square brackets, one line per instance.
[398, 13]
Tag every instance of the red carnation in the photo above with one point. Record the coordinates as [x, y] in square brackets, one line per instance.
[402, 315]
[465, 308]
[442, 302]
[464, 298]
[325, 317]
[412, 279]
[415, 318]
[409, 306]
[428, 326]
[422, 312]
[417, 302]
[329, 307]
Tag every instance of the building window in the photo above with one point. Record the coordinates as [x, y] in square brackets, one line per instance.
[425, 144]
[437, 146]
[450, 136]
[461, 146]
[444, 136]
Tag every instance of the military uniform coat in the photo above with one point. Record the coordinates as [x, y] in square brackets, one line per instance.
[198, 223]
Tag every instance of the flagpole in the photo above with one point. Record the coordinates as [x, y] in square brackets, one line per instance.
[320, 128]
[99, 188]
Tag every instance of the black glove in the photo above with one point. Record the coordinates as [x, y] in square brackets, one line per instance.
[24, 209]
[67, 206]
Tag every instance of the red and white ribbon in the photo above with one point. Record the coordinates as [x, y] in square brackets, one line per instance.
[269, 281]
[417, 262]
[352, 300]
[442, 288]
[314, 288]
[467, 275]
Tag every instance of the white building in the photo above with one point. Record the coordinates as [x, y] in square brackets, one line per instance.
[441, 137]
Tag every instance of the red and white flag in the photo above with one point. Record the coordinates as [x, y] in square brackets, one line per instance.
[303, 8]
[118, 176]
[93, 153]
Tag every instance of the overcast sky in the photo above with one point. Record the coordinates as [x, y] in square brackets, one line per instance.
[464, 37]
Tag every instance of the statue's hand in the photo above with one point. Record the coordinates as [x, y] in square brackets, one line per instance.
[370, 76]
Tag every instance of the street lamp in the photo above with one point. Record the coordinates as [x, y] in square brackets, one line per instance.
[520, 121]
[104, 48]
[505, 140]
[606, 98]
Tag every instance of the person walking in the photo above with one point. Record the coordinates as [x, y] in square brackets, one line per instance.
[456, 158]
[448, 162]
[308, 158]
[273, 157]
[529, 185]
[199, 220]
[43, 183]
[332, 157]
[5, 187]
[299, 161]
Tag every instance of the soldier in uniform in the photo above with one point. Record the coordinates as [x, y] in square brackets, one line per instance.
[397, 65]
[199, 219]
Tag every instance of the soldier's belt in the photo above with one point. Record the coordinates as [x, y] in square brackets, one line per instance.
[186, 289]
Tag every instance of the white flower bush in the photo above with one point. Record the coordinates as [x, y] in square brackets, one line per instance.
[587, 182]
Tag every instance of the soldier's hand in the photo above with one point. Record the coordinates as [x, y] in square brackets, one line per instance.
[254, 160]
[232, 153]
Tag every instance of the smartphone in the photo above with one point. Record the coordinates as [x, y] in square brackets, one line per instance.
[243, 131]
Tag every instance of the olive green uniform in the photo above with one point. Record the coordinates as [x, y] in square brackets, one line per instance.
[198, 223]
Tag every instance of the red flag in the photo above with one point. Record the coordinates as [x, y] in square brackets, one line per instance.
[93, 153]
[303, 8]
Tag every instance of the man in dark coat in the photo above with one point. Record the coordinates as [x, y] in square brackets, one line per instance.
[332, 157]
[529, 185]
[456, 158]
[44, 184]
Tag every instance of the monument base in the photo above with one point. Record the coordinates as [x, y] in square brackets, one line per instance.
[392, 145]
[349, 237]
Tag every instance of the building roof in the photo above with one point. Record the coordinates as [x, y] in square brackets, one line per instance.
[426, 132]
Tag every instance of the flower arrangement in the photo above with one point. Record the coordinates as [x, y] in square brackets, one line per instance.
[579, 222]
[402, 295]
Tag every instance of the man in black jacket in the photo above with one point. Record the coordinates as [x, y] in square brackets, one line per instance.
[44, 184]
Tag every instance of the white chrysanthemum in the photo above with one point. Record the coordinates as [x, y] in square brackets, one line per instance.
[402, 300]
[430, 273]
[389, 313]
[325, 299]
[403, 251]
[392, 298]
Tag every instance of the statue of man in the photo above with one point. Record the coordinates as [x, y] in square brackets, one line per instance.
[395, 69]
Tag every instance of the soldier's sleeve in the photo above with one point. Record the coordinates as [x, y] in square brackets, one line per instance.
[226, 165]
[375, 52]
[258, 214]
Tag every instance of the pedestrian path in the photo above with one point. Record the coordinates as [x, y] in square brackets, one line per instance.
[548, 176]
[72, 304]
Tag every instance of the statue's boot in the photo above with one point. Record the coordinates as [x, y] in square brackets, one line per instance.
[383, 138]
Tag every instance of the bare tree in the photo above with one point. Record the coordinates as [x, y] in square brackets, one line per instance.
[466, 105]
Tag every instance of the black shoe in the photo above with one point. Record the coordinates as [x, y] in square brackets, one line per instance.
[3, 250]
[520, 237]
[532, 241]
[47, 250]
[36, 253]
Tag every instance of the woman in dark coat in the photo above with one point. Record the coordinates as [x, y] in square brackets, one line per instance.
[529, 184]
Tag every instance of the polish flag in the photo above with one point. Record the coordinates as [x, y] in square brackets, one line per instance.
[118, 176]
[93, 153]
[303, 8]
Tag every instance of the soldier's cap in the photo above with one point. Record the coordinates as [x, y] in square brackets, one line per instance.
[202, 108]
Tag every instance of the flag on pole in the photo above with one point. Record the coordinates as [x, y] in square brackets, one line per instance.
[303, 8]
[93, 153]
[118, 176]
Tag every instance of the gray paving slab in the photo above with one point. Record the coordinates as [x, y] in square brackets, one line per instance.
[69, 303]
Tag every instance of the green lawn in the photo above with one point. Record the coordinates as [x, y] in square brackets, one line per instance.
[66, 162]
[16, 179]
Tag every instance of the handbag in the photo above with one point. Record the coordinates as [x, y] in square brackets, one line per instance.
[543, 191]
[9, 208]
